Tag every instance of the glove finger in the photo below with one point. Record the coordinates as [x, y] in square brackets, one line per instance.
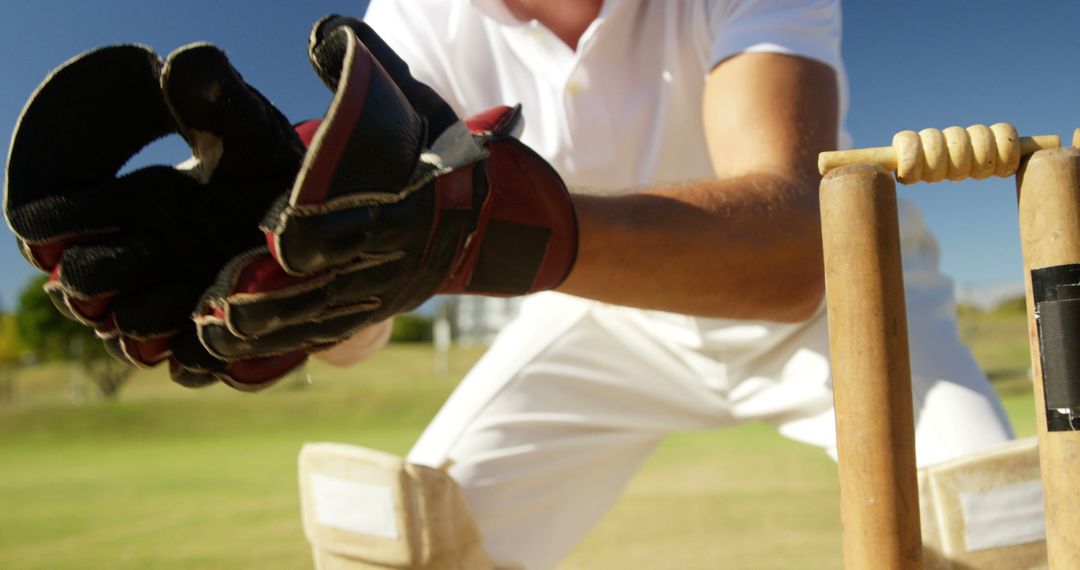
[56, 295]
[326, 57]
[252, 375]
[88, 277]
[189, 353]
[90, 272]
[312, 240]
[190, 378]
[370, 139]
[113, 347]
[92, 311]
[192, 366]
[222, 343]
[146, 352]
[253, 297]
[181, 369]
[365, 153]
[82, 124]
[145, 201]
[159, 310]
[142, 352]
[233, 130]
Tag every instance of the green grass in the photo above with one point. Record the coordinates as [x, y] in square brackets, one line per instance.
[739, 498]
[999, 342]
[169, 478]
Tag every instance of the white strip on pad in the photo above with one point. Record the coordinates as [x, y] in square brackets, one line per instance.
[1006, 516]
[354, 507]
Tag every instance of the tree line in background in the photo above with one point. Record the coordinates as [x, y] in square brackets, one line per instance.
[37, 332]
[40, 333]
[1010, 306]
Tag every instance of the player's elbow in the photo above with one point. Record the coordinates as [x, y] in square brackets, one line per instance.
[800, 281]
[801, 298]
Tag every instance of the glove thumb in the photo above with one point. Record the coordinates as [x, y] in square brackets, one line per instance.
[327, 52]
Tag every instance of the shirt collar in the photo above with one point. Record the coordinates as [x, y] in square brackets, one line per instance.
[497, 11]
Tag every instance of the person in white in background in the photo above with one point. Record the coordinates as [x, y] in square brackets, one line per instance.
[688, 132]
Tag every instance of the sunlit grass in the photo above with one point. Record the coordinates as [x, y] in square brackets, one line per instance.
[174, 478]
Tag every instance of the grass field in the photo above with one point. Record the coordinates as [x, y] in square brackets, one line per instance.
[167, 478]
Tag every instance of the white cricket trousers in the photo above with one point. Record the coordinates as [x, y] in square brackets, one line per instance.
[547, 429]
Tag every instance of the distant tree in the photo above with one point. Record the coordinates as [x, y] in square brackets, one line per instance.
[44, 331]
[1015, 305]
[966, 310]
[11, 349]
[411, 327]
[11, 352]
[49, 335]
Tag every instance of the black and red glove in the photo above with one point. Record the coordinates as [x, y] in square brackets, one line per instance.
[132, 255]
[397, 200]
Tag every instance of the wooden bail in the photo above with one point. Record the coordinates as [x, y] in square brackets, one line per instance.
[871, 370]
[955, 153]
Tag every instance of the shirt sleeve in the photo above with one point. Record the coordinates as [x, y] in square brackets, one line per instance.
[406, 27]
[807, 28]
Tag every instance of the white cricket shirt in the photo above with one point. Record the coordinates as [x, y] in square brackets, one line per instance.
[624, 109]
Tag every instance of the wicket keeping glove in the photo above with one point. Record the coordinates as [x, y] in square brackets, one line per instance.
[397, 200]
[132, 254]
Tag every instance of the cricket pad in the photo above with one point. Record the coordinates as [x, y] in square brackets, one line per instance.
[984, 511]
[363, 509]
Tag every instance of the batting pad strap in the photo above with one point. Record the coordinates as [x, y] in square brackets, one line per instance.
[364, 509]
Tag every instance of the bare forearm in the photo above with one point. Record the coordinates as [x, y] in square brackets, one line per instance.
[746, 247]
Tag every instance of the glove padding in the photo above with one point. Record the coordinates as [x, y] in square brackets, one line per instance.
[132, 255]
[397, 200]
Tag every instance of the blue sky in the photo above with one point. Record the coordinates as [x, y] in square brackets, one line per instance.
[912, 64]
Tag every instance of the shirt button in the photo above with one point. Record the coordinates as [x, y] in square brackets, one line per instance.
[573, 88]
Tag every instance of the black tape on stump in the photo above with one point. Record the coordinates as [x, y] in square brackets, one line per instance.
[1056, 292]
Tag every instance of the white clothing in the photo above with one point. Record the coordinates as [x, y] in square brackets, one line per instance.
[601, 123]
[574, 394]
